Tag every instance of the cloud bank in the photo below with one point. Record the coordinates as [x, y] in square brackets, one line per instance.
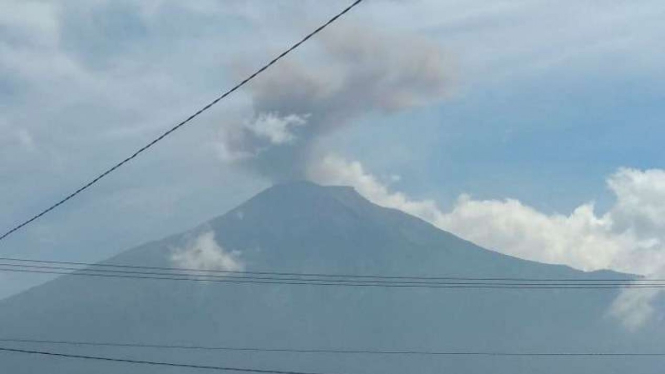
[363, 71]
[628, 238]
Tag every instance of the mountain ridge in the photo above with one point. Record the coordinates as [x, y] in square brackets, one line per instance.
[304, 227]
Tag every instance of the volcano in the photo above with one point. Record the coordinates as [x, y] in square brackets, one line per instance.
[301, 227]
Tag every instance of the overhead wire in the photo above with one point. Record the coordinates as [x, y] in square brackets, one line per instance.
[226, 273]
[320, 281]
[180, 124]
[148, 362]
[328, 351]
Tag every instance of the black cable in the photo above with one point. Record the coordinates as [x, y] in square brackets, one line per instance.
[322, 351]
[332, 351]
[350, 283]
[309, 279]
[179, 125]
[91, 266]
[148, 362]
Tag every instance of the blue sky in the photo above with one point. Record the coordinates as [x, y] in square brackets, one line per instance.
[544, 102]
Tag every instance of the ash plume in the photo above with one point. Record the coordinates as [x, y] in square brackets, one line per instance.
[357, 72]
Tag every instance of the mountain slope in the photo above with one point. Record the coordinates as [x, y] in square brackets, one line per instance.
[302, 227]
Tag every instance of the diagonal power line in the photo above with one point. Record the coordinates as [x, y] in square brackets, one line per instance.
[149, 362]
[337, 351]
[181, 124]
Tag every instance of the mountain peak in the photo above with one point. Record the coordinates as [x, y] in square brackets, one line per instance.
[302, 185]
[304, 195]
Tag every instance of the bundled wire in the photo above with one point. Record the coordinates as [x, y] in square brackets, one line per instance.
[138, 272]
[327, 351]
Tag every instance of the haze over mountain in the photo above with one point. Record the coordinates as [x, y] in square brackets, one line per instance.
[303, 227]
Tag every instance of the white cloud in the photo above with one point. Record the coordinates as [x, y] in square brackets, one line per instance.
[263, 131]
[204, 253]
[627, 238]
[26, 140]
[581, 239]
[640, 205]
[333, 170]
[36, 22]
[634, 307]
[276, 129]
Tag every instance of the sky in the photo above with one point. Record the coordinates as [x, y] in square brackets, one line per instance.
[530, 127]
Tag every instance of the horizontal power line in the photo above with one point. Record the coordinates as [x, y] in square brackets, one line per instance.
[329, 351]
[77, 265]
[334, 282]
[322, 351]
[181, 124]
[239, 275]
[149, 362]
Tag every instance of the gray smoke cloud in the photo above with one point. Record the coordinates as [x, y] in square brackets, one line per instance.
[356, 72]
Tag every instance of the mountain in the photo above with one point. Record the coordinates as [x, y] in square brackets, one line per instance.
[305, 228]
